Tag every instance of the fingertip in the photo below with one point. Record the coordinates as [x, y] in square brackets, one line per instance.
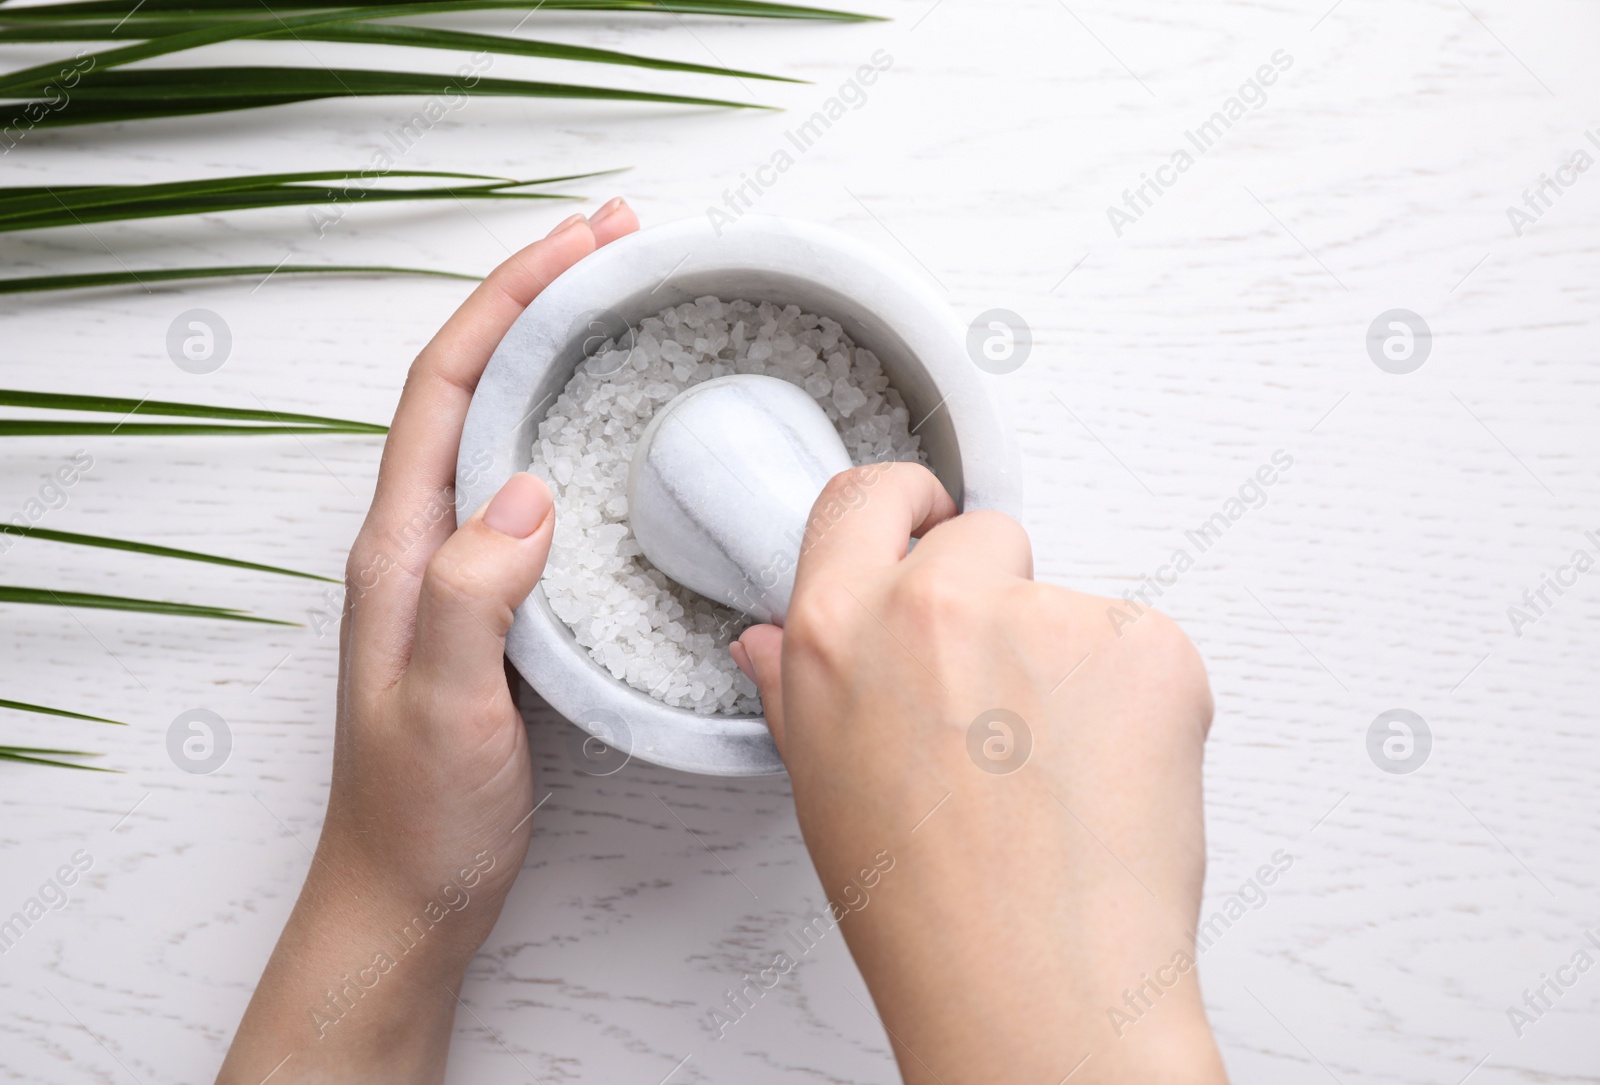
[520, 507]
[614, 219]
[741, 659]
[762, 647]
[564, 225]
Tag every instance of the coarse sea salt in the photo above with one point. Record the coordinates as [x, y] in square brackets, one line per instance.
[644, 628]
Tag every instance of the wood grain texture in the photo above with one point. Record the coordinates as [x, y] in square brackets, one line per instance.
[1226, 323]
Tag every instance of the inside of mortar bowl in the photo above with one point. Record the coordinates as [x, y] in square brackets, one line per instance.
[882, 306]
[866, 328]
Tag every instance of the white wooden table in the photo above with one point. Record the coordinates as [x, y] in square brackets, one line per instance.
[1227, 321]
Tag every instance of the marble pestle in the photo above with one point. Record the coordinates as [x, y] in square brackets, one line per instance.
[722, 483]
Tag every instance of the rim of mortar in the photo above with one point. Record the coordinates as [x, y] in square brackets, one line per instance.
[883, 306]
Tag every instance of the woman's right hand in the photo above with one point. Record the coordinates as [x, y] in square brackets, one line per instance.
[1000, 788]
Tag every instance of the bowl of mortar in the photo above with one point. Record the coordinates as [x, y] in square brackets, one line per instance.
[881, 305]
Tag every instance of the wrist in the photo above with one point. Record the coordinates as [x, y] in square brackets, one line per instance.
[362, 984]
[355, 924]
[437, 910]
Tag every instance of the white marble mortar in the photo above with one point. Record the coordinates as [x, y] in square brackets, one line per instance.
[881, 305]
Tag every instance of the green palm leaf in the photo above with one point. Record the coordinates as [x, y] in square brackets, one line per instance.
[184, 92]
[45, 749]
[28, 427]
[30, 210]
[145, 276]
[24, 706]
[91, 69]
[46, 597]
[132, 10]
[74, 539]
[63, 401]
[381, 34]
[22, 754]
[32, 754]
[21, 200]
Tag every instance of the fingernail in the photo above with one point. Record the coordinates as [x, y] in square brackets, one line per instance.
[605, 210]
[742, 658]
[520, 507]
[565, 224]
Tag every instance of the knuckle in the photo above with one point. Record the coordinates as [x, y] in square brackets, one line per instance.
[1001, 526]
[1151, 657]
[930, 593]
[1166, 659]
[819, 620]
[364, 564]
[450, 580]
[846, 490]
[1060, 624]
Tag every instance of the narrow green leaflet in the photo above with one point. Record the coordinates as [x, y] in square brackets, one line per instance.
[74, 539]
[48, 598]
[134, 10]
[32, 212]
[21, 201]
[71, 73]
[91, 68]
[146, 276]
[179, 92]
[43, 710]
[22, 754]
[367, 33]
[29, 427]
[63, 401]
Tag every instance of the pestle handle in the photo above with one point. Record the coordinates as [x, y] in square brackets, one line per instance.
[722, 482]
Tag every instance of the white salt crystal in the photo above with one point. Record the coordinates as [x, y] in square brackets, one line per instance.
[640, 626]
[847, 397]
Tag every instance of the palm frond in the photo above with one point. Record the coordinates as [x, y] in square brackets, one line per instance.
[91, 69]
[26, 199]
[146, 276]
[185, 92]
[44, 710]
[72, 538]
[64, 401]
[133, 10]
[23, 754]
[371, 33]
[29, 210]
[49, 598]
[29, 427]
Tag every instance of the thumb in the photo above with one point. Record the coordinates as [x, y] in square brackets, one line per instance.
[761, 649]
[474, 583]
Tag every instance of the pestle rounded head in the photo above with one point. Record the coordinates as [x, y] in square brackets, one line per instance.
[722, 483]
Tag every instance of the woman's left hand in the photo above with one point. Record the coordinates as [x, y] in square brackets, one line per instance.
[428, 814]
